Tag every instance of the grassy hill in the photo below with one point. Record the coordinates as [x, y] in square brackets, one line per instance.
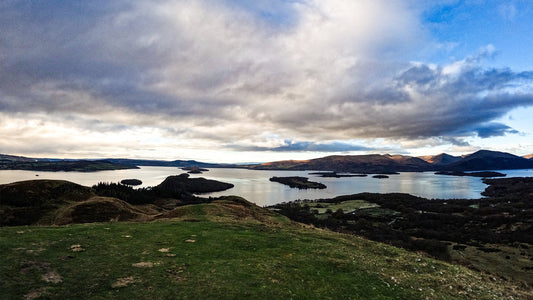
[211, 249]
[226, 249]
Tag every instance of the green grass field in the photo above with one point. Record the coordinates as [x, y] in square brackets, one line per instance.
[215, 251]
[346, 206]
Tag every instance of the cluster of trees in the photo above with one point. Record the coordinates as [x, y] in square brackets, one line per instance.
[141, 195]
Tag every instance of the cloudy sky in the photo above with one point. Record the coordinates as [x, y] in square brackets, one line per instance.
[253, 81]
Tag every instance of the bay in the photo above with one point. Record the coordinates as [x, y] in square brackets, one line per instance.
[254, 185]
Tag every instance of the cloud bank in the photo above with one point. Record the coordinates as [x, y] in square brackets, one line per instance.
[227, 73]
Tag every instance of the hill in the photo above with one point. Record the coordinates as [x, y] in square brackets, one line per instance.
[226, 249]
[47, 202]
[37, 201]
[492, 234]
[441, 159]
[489, 160]
[529, 156]
[164, 163]
[9, 158]
[376, 163]
[373, 163]
[10, 162]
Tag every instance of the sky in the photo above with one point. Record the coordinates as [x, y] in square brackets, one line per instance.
[256, 81]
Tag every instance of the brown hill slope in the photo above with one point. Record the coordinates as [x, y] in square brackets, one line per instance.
[440, 159]
[100, 209]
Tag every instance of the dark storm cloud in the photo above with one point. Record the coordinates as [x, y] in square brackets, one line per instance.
[493, 129]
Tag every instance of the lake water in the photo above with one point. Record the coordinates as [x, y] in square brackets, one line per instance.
[255, 186]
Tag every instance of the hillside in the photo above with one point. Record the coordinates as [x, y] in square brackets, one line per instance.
[377, 163]
[164, 163]
[190, 247]
[226, 249]
[492, 234]
[373, 163]
[441, 159]
[489, 160]
[9, 158]
[37, 201]
[529, 156]
[47, 202]
[9, 162]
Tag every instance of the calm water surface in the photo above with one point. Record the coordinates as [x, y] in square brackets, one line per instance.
[255, 186]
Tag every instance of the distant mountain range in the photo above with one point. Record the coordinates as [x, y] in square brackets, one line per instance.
[164, 163]
[376, 163]
[441, 159]
[368, 164]
[11, 162]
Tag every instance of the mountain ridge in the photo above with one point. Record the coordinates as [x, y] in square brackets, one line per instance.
[386, 163]
[366, 164]
[440, 159]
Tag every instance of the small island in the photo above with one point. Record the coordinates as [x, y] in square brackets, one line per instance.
[472, 174]
[194, 170]
[180, 183]
[380, 176]
[336, 175]
[132, 182]
[298, 182]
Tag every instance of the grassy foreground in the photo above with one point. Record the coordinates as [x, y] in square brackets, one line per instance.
[218, 250]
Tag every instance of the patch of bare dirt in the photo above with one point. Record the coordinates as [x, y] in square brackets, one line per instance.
[143, 264]
[122, 282]
[76, 248]
[33, 294]
[52, 276]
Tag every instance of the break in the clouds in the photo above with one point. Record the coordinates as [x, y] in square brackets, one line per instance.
[295, 146]
[226, 74]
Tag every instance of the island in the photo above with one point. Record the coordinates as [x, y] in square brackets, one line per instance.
[472, 174]
[336, 175]
[380, 176]
[183, 182]
[194, 170]
[132, 182]
[298, 182]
